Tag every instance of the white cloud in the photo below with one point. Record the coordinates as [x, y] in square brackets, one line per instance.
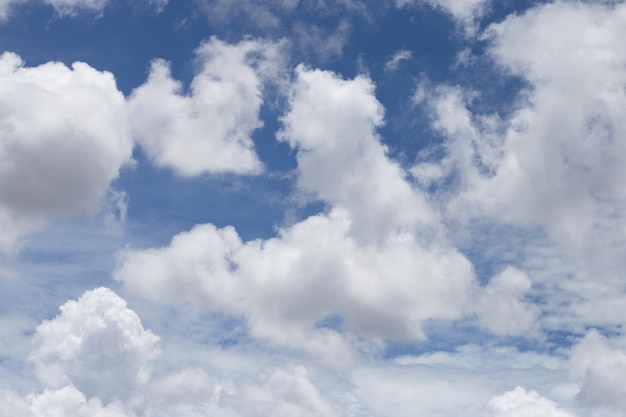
[63, 139]
[522, 403]
[96, 344]
[375, 258]
[209, 129]
[559, 157]
[393, 63]
[94, 359]
[554, 163]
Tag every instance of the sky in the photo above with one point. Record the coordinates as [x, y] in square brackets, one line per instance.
[312, 208]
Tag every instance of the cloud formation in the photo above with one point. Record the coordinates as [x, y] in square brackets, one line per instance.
[208, 130]
[374, 259]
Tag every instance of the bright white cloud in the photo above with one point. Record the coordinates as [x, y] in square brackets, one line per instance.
[209, 129]
[94, 359]
[96, 344]
[63, 139]
[559, 158]
[522, 403]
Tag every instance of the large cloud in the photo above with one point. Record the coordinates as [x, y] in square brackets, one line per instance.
[558, 158]
[209, 129]
[552, 164]
[63, 139]
[374, 262]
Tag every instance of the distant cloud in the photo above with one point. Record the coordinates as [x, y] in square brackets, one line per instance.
[393, 63]
[74, 7]
[466, 13]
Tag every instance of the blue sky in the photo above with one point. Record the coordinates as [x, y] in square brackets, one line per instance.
[312, 208]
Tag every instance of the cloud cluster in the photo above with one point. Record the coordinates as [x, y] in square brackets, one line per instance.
[374, 260]
[65, 133]
[94, 359]
[554, 163]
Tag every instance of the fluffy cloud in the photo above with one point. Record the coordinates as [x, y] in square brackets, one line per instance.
[374, 260]
[209, 129]
[63, 139]
[522, 403]
[96, 344]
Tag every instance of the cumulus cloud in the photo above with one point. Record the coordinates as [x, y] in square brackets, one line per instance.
[522, 403]
[209, 129]
[63, 139]
[374, 259]
[94, 359]
[97, 345]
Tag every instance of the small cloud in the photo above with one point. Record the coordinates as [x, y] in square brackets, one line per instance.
[393, 63]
